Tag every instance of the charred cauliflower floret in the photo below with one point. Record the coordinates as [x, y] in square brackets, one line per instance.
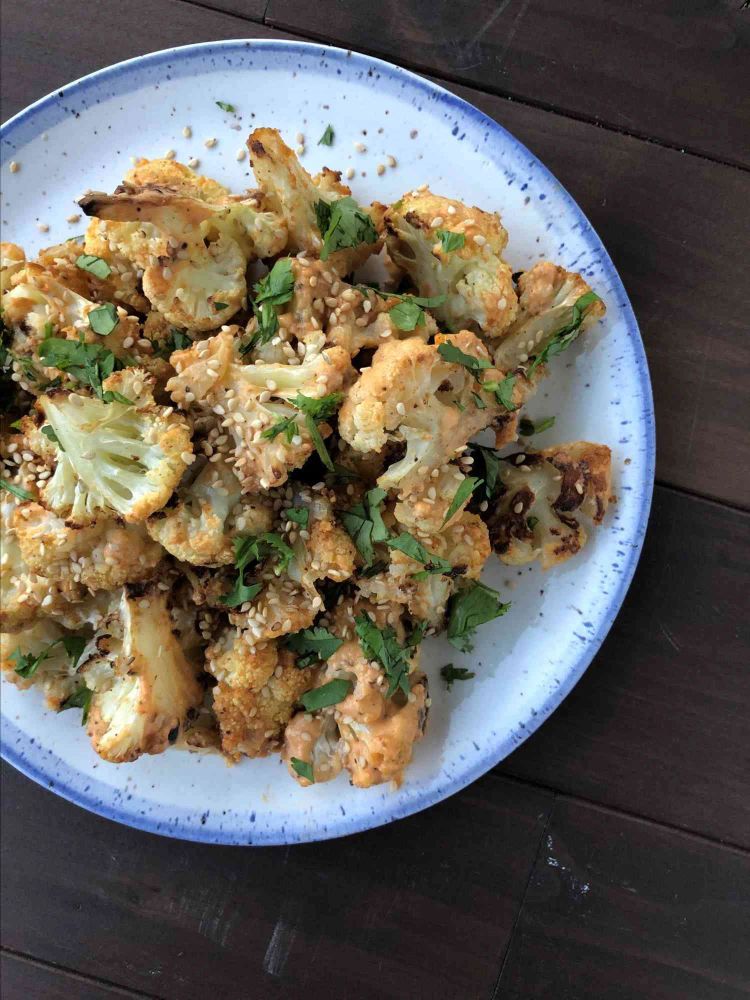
[544, 496]
[555, 305]
[309, 205]
[25, 595]
[262, 435]
[410, 395]
[143, 685]
[64, 262]
[256, 693]
[196, 284]
[208, 511]
[100, 556]
[451, 250]
[116, 457]
[47, 657]
[377, 732]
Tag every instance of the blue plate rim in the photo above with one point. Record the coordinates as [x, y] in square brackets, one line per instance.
[343, 827]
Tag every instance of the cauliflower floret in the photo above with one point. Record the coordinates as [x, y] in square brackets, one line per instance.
[295, 194]
[411, 395]
[262, 435]
[122, 282]
[475, 280]
[143, 685]
[256, 694]
[377, 733]
[162, 172]
[58, 669]
[101, 556]
[25, 594]
[194, 285]
[199, 528]
[543, 496]
[12, 260]
[114, 457]
[548, 295]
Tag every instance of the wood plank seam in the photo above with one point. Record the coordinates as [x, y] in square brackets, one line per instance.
[524, 894]
[561, 794]
[418, 67]
[205, 5]
[74, 974]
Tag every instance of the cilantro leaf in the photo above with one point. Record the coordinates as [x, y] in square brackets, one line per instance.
[218, 306]
[414, 549]
[407, 315]
[17, 491]
[303, 769]
[470, 607]
[316, 410]
[449, 673]
[382, 645]
[240, 593]
[94, 265]
[313, 645]
[478, 401]
[284, 425]
[327, 138]
[297, 515]
[176, 340]
[488, 463]
[503, 391]
[226, 107]
[74, 647]
[343, 224]
[528, 427]
[455, 356]
[274, 289]
[532, 522]
[81, 698]
[27, 664]
[462, 494]
[88, 364]
[49, 433]
[451, 241]
[251, 549]
[327, 694]
[104, 319]
[566, 334]
[364, 523]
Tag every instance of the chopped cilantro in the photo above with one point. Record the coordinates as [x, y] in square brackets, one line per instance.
[252, 549]
[297, 515]
[409, 545]
[470, 607]
[343, 224]
[462, 494]
[49, 433]
[327, 138]
[451, 241]
[531, 522]
[303, 769]
[488, 463]
[81, 698]
[364, 523]
[382, 645]
[274, 289]
[94, 265]
[88, 364]
[315, 411]
[503, 391]
[455, 356]
[528, 427]
[312, 645]
[104, 319]
[218, 306]
[478, 401]
[284, 425]
[17, 491]
[449, 673]
[27, 664]
[327, 694]
[230, 108]
[566, 334]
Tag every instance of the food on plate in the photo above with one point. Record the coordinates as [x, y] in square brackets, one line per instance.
[242, 485]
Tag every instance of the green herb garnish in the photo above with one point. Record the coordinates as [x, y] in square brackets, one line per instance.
[104, 319]
[49, 433]
[449, 673]
[27, 664]
[297, 515]
[382, 645]
[472, 606]
[566, 334]
[17, 491]
[343, 224]
[315, 411]
[94, 265]
[89, 364]
[451, 241]
[230, 108]
[218, 306]
[364, 523]
[462, 494]
[327, 138]
[273, 290]
[303, 769]
[503, 391]
[528, 427]
[327, 694]
[252, 549]
[81, 698]
[433, 564]
[488, 463]
[312, 645]
[455, 356]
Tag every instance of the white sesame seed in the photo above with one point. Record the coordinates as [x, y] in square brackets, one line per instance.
[437, 221]
[400, 408]
[42, 227]
[380, 169]
[451, 210]
[520, 459]
[170, 154]
[579, 487]
[479, 240]
[349, 173]
[300, 150]
[187, 132]
[74, 217]
[360, 147]
[518, 507]
[301, 138]
[210, 143]
[501, 303]
[193, 162]
[241, 154]
[14, 167]
[391, 161]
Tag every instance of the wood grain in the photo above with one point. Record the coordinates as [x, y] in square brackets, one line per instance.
[622, 909]
[423, 908]
[675, 72]
[677, 227]
[658, 724]
[22, 979]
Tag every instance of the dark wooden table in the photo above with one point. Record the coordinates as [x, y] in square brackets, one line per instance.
[608, 857]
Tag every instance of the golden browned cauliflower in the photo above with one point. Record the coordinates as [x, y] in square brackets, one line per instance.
[544, 495]
[118, 457]
[410, 395]
[142, 684]
[554, 306]
[256, 693]
[308, 204]
[451, 250]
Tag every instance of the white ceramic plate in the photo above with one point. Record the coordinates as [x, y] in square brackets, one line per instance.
[83, 137]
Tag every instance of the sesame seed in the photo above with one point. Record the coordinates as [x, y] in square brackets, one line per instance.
[193, 162]
[400, 408]
[14, 167]
[579, 487]
[523, 357]
[360, 147]
[451, 210]
[170, 154]
[480, 240]
[380, 169]
[186, 457]
[300, 150]
[437, 221]
[520, 459]
[73, 218]
[42, 227]
[210, 143]
[187, 131]
[241, 153]
[349, 173]
[501, 303]
[391, 161]
[301, 138]
[518, 507]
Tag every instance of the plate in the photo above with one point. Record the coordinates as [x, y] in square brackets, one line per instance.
[525, 663]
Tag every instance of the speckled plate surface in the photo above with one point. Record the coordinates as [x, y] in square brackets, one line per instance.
[525, 663]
